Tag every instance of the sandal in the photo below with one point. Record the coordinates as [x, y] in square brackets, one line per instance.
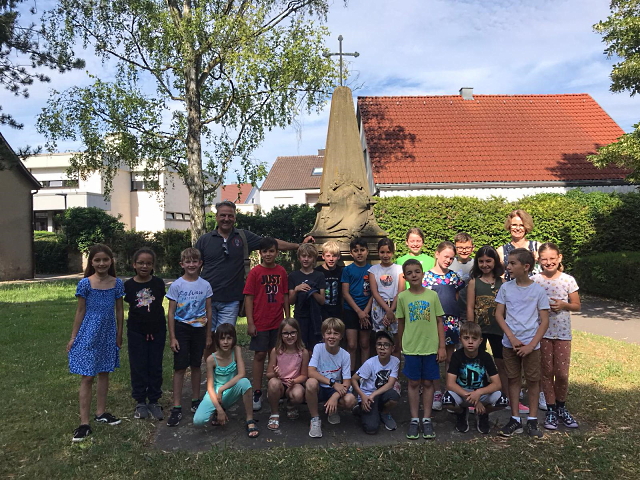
[292, 412]
[252, 430]
[274, 422]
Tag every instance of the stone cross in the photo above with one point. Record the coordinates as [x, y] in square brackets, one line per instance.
[340, 54]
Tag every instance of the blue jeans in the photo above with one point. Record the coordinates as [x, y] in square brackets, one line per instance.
[224, 312]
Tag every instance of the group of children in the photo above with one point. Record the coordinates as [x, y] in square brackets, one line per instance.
[427, 306]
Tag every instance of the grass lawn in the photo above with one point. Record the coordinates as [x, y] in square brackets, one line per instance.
[40, 412]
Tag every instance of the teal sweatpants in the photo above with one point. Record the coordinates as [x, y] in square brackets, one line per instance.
[229, 397]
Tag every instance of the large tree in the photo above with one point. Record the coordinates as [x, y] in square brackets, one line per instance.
[216, 74]
[23, 54]
[621, 34]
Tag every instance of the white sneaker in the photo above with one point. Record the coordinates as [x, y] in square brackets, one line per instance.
[437, 401]
[542, 403]
[257, 401]
[315, 431]
[334, 419]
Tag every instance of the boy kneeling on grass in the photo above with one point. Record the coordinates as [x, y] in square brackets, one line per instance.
[377, 396]
[472, 381]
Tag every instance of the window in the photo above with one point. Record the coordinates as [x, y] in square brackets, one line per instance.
[187, 217]
[169, 216]
[139, 183]
[59, 183]
[317, 171]
[178, 216]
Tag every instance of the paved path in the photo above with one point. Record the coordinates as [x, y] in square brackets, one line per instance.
[610, 318]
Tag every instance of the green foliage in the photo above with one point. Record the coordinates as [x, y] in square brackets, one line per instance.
[620, 32]
[51, 256]
[45, 235]
[227, 71]
[83, 227]
[580, 223]
[594, 274]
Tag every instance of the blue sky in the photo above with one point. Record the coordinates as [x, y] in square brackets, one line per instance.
[427, 47]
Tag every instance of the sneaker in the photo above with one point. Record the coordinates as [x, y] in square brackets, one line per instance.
[542, 402]
[522, 394]
[427, 430]
[315, 431]
[388, 421]
[502, 402]
[437, 401]
[414, 430]
[513, 426]
[532, 429]
[447, 399]
[107, 418]
[175, 417]
[567, 418]
[334, 419]
[472, 410]
[80, 433]
[522, 408]
[257, 400]
[462, 421]
[194, 405]
[156, 411]
[551, 420]
[141, 411]
[482, 423]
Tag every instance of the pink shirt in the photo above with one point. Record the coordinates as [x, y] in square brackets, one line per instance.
[289, 365]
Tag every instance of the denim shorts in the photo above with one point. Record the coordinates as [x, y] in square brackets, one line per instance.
[421, 367]
[224, 312]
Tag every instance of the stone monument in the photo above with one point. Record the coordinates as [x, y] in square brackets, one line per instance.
[345, 206]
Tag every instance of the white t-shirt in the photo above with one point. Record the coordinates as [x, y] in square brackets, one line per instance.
[336, 366]
[191, 300]
[375, 375]
[387, 281]
[522, 305]
[560, 288]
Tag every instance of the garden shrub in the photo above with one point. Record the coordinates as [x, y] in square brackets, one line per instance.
[51, 256]
[168, 244]
[83, 227]
[594, 273]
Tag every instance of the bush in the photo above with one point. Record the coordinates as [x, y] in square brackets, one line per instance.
[83, 227]
[594, 273]
[168, 245]
[51, 256]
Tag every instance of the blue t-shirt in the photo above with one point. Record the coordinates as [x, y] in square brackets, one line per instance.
[191, 300]
[446, 286]
[358, 280]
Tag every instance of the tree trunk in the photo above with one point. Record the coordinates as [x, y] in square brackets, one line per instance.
[194, 180]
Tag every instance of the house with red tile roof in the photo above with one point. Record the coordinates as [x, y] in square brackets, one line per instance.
[244, 195]
[292, 180]
[486, 145]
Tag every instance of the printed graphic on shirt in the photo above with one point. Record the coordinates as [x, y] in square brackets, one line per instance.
[472, 375]
[331, 292]
[366, 287]
[419, 310]
[485, 309]
[271, 285]
[144, 298]
[386, 280]
[382, 377]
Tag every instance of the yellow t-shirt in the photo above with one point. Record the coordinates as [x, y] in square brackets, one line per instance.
[420, 312]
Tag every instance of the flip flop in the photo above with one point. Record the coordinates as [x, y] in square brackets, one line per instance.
[274, 422]
[252, 429]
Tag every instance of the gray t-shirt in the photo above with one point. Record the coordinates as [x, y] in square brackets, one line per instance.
[464, 272]
[522, 305]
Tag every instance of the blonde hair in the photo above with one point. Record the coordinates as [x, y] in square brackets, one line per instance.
[527, 221]
[331, 247]
[190, 254]
[307, 249]
[551, 246]
[332, 323]
[293, 323]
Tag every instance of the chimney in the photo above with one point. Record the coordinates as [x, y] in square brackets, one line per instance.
[321, 152]
[466, 93]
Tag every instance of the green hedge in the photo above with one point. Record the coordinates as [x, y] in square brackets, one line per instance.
[580, 223]
[51, 256]
[594, 275]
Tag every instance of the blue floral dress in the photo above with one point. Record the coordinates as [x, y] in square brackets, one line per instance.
[94, 349]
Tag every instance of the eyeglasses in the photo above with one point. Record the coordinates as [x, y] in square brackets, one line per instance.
[383, 345]
[464, 249]
[144, 264]
[517, 226]
[289, 334]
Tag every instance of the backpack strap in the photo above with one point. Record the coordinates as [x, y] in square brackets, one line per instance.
[247, 260]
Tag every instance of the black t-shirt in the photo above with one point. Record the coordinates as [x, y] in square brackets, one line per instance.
[146, 313]
[223, 267]
[333, 292]
[472, 373]
[315, 279]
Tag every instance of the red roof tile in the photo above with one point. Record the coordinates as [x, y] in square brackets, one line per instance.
[492, 138]
[294, 173]
[236, 193]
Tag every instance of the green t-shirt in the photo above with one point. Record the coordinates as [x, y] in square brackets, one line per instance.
[420, 312]
[425, 260]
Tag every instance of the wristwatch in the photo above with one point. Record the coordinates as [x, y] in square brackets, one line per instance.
[332, 382]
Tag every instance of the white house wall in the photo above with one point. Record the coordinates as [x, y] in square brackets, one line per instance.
[270, 199]
[121, 200]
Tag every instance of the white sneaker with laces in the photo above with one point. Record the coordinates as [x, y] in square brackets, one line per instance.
[437, 401]
[315, 430]
[542, 403]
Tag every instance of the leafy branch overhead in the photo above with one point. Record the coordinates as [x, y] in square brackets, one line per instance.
[191, 76]
[621, 33]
